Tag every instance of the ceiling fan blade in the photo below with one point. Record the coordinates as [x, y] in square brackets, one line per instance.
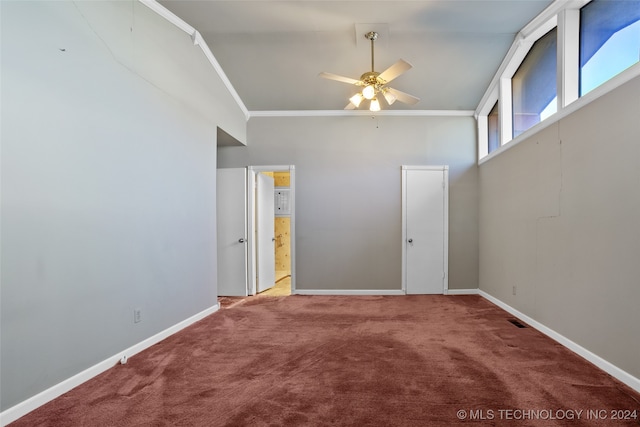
[338, 78]
[395, 70]
[403, 97]
[350, 106]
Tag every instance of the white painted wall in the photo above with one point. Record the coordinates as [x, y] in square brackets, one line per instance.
[109, 123]
[348, 192]
[559, 219]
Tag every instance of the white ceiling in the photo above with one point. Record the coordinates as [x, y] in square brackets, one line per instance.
[272, 51]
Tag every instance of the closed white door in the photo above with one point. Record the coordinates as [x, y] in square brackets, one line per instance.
[265, 232]
[425, 229]
[232, 231]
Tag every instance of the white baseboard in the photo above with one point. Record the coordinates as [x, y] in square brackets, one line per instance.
[606, 366]
[349, 292]
[23, 408]
[462, 291]
[376, 292]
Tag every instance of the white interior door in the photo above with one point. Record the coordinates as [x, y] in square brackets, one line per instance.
[265, 232]
[425, 229]
[232, 231]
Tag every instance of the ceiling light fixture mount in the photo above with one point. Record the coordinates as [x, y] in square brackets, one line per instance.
[374, 83]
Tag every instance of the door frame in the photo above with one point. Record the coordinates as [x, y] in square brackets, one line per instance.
[251, 265]
[445, 170]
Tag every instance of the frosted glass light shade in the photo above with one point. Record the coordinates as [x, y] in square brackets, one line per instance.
[356, 99]
[375, 105]
[369, 92]
[391, 98]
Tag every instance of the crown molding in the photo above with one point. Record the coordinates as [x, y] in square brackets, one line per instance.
[351, 113]
[197, 39]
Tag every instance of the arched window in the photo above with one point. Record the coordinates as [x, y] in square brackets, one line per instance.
[533, 86]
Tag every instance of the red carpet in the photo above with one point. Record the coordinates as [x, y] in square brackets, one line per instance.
[350, 361]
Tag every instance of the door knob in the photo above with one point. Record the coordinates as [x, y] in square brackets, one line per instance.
[241, 240]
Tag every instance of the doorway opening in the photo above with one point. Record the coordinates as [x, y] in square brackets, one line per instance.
[256, 231]
[283, 232]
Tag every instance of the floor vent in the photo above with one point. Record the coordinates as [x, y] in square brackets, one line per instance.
[517, 323]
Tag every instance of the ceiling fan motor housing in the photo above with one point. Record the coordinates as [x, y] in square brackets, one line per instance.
[371, 78]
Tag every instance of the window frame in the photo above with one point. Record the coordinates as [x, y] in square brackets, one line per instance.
[565, 16]
[500, 88]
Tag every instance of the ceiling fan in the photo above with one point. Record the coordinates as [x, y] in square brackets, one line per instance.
[375, 83]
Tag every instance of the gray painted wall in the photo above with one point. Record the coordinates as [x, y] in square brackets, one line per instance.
[559, 219]
[348, 207]
[108, 185]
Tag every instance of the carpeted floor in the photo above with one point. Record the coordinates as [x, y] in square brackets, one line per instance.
[350, 361]
[228, 302]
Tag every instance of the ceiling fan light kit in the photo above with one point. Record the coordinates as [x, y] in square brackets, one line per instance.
[374, 83]
[374, 105]
[356, 99]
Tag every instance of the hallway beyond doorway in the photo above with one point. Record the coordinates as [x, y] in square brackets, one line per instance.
[282, 288]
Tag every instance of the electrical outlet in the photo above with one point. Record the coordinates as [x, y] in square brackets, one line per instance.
[137, 315]
[514, 290]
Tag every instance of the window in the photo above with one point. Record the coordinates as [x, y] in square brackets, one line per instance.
[494, 128]
[609, 40]
[534, 84]
[570, 49]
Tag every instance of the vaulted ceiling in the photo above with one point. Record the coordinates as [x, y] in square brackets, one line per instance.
[272, 51]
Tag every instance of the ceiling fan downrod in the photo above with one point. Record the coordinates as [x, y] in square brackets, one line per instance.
[372, 35]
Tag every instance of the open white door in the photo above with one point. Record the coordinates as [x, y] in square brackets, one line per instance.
[425, 229]
[232, 231]
[265, 232]
[269, 248]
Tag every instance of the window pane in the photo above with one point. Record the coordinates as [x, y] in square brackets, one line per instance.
[534, 84]
[609, 40]
[494, 125]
